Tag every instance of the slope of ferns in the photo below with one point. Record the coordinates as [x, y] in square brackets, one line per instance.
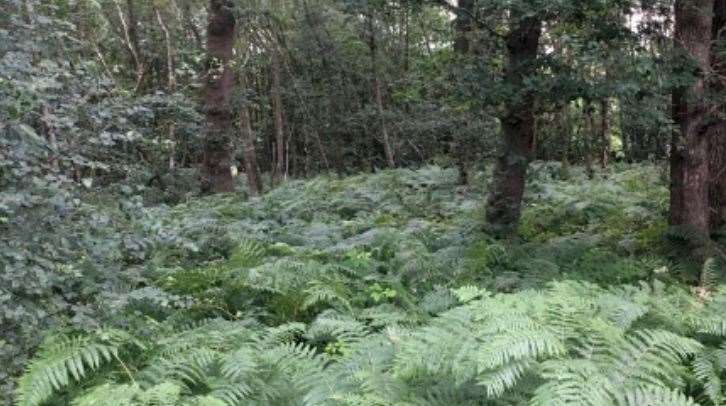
[380, 290]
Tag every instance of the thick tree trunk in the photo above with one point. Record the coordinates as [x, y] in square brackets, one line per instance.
[604, 133]
[507, 188]
[219, 81]
[689, 205]
[718, 135]
[276, 99]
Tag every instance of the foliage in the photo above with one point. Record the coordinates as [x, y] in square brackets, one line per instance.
[345, 283]
[344, 291]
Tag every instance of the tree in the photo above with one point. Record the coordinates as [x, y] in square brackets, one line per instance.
[376, 88]
[718, 135]
[689, 205]
[507, 188]
[279, 170]
[218, 85]
[604, 132]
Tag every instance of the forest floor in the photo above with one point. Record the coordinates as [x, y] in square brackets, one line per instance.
[381, 289]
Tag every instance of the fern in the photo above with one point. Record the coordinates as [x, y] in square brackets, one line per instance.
[654, 396]
[63, 360]
[249, 253]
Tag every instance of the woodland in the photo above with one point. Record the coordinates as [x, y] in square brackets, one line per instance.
[362, 202]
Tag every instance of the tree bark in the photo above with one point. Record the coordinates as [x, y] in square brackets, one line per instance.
[219, 81]
[131, 39]
[464, 26]
[718, 136]
[171, 85]
[689, 205]
[276, 99]
[604, 132]
[588, 136]
[564, 129]
[377, 94]
[507, 188]
[250, 152]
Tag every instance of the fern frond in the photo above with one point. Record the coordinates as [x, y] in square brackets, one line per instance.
[121, 395]
[512, 346]
[500, 380]
[62, 360]
[707, 371]
[573, 382]
[654, 396]
[249, 253]
[652, 357]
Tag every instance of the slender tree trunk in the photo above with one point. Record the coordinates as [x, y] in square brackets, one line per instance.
[171, 85]
[624, 132]
[604, 132]
[276, 99]
[250, 152]
[131, 39]
[463, 26]
[219, 81]
[588, 136]
[377, 94]
[563, 121]
[689, 205]
[387, 147]
[507, 188]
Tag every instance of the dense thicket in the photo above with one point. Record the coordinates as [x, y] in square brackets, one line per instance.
[413, 202]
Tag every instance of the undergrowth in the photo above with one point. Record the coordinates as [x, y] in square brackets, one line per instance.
[382, 290]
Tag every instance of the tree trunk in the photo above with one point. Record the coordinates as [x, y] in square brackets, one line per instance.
[377, 94]
[717, 189]
[507, 188]
[219, 81]
[604, 133]
[131, 40]
[464, 25]
[250, 152]
[689, 205]
[171, 85]
[717, 193]
[565, 129]
[276, 98]
[588, 136]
